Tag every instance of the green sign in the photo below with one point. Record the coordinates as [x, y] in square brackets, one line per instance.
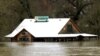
[41, 18]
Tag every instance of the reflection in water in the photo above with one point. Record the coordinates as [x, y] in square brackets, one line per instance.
[24, 43]
[83, 48]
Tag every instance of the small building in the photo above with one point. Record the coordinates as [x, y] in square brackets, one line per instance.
[43, 28]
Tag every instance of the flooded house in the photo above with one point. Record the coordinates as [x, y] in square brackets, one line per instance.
[43, 28]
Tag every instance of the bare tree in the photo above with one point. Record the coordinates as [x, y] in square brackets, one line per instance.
[79, 7]
[74, 8]
[26, 6]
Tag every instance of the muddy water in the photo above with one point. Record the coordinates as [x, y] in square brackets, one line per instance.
[83, 48]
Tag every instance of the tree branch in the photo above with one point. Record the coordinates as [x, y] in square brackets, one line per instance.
[26, 6]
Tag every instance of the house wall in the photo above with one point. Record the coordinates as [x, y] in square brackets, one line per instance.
[23, 35]
[65, 29]
[74, 26]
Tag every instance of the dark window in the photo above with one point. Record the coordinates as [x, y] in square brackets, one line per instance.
[23, 39]
[69, 29]
[24, 32]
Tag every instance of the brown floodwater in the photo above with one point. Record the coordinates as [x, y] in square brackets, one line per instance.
[75, 48]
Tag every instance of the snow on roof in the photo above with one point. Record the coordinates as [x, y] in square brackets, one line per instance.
[41, 29]
[45, 29]
[76, 35]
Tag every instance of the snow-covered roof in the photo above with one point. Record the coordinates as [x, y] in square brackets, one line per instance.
[41, 29]
[45, 29]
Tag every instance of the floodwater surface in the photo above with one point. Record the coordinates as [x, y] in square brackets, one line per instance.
[79, 48]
